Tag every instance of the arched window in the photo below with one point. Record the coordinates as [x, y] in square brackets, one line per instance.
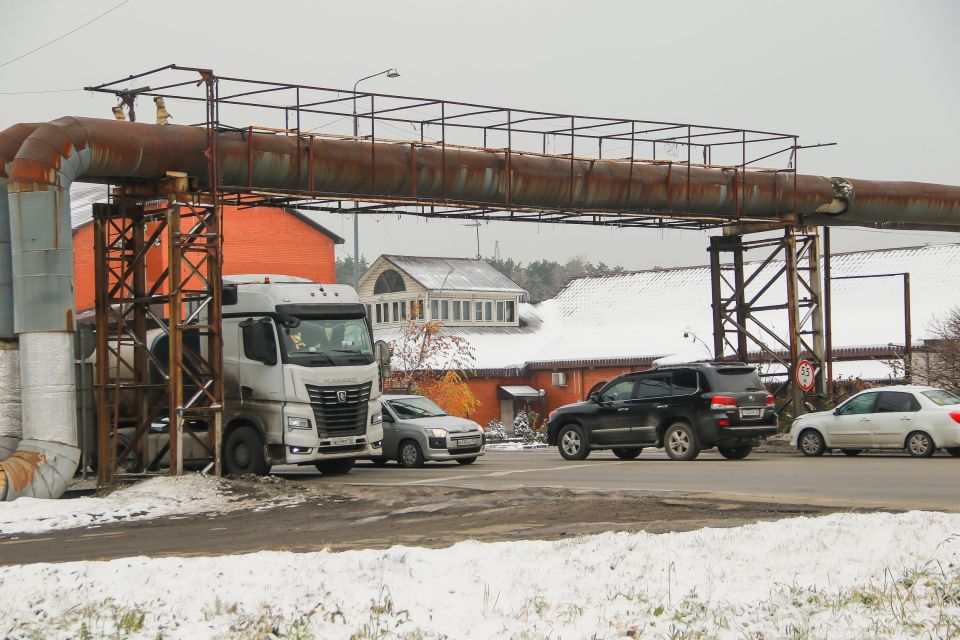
[389, 282]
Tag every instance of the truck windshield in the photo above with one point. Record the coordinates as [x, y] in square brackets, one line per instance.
[317, 342]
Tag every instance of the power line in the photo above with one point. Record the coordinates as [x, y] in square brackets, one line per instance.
[72, 31]
[21, 93]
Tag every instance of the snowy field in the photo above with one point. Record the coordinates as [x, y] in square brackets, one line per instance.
[153, 498]
[839, 576]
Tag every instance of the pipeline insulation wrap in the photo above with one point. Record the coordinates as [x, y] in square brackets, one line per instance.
[10, 423]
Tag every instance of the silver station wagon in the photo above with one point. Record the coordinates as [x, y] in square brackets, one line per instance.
[416, 430]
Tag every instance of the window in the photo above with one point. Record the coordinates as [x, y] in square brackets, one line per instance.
[862, 403]
[466, 311]
[456, 309]
[379, 313]
[619, 391]
[488, 311]
[403, 310]
[941, 398]
[444, 310]
[510, 310]
[500, 311]
[434, 309]
[896, 402]
[684, 382]
[654, 385]
[369, 312]
[416, 309]
[396, 311]
[259, 343]
[479, 309]
[389, 282]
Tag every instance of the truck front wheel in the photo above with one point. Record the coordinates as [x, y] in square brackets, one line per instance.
[336, 467]
[243, 453]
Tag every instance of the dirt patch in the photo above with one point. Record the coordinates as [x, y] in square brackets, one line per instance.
[354, 517]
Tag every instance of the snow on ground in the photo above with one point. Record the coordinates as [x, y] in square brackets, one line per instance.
[514, 446]
[839, 576]
[153, 498]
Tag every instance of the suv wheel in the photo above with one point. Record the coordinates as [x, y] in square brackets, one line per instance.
[572, 443]
[627, 453]
[735, 453]
[811, 443]
[680, 442]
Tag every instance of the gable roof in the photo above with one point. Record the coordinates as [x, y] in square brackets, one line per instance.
[643, 315]
[455, 274]
[84, 195]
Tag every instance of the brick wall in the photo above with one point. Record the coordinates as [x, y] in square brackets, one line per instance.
[256, 240]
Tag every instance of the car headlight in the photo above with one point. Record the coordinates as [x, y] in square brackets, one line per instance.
[377, 417]
[294, 422]
[437, 433]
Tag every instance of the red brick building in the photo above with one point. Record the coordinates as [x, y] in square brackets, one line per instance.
[255, 240]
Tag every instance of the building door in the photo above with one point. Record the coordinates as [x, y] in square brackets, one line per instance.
[507, 414]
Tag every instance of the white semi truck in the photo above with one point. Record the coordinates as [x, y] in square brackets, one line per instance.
[301, 374]
[302, 379]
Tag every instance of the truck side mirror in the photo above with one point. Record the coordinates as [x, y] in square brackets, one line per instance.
[258, 340]
[381, 350]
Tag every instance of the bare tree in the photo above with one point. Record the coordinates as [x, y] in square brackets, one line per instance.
[938, 362]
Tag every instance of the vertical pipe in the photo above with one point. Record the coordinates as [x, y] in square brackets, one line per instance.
[741, 302]
[907, 334]
[175, 382]
[827, 313]
[790, 255]
[717, 296]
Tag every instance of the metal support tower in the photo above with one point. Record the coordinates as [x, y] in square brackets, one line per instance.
[141, 291]
[770, 310]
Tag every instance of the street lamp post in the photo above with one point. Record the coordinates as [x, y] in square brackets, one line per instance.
[390, 73]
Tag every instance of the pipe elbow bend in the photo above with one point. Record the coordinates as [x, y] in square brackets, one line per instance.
[38, 469]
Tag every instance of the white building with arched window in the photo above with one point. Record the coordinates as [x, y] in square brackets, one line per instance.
[455, 291]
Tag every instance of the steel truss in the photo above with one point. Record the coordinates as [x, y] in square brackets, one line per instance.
[748, 300]
[309, 113]
[136, 386]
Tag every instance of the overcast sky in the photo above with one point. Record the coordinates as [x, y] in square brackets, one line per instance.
[877, 77]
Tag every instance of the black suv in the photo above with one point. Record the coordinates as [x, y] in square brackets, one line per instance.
[683, 408]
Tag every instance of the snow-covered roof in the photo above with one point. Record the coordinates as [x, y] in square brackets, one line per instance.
[645, 314]
[82, 197]
[456, 274]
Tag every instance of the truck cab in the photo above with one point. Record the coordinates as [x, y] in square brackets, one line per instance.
[301, 375]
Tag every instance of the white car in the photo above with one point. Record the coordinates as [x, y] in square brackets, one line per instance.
[918, 419]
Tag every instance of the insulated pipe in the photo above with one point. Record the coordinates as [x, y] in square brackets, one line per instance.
[69, 149]
[10, 422]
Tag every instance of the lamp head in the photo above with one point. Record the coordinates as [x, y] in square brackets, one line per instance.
[393, 73]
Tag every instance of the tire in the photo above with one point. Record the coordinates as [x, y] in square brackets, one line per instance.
[243, 453]
[811, 443]
[409, 454]
[680, 442]
[337, 467]
[735, 453]
[572, 443]
[379, 462]
[627, 453]
[954, 451]
[851, 452]
[466, 460]
[920, 445]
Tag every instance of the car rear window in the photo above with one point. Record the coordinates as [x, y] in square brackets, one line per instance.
[738, 379]
[941, 397]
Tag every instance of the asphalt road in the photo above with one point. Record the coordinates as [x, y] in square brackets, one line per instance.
[888, 481]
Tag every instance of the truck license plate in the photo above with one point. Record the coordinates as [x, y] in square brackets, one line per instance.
[749, 413]
[339, 442]
[468, 442]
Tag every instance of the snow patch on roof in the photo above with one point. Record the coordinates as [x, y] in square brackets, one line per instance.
[455, 274]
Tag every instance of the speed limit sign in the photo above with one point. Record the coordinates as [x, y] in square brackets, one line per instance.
[805, 375]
